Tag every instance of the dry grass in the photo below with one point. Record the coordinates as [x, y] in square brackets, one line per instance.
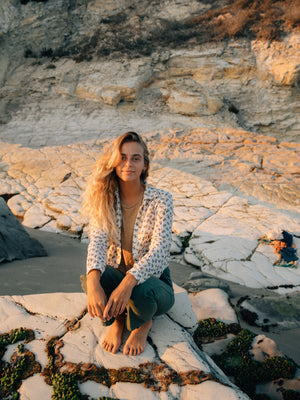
[261, 19]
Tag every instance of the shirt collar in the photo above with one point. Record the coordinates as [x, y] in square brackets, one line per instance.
[148, 194]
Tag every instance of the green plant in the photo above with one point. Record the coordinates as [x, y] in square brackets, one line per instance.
[65, 387]
[11, 375]
[237, 361]
[21, 366]
[15, 335]
[209, 328]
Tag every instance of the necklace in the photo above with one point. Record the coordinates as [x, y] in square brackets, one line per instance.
[134, 204]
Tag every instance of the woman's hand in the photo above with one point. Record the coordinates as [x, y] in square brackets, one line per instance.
[119, 298]
[96, 297]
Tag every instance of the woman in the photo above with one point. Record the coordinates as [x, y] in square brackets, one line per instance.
[128, 278]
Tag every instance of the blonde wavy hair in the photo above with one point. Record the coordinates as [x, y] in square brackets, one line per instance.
[99, 196]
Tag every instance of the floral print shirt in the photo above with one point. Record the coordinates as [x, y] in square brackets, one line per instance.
[151, 238]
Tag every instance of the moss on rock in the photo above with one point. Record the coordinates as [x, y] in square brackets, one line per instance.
[16, 335]
[210, 329]
[22, 363]
[65, 387]
[237, 361]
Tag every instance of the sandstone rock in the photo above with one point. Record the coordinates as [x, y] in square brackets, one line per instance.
[202, 168]
[187, 97]
[123, 84]
[15, 243]
[229, 73]
[35, 217]
[111, 97]
[280, 61]
[64, 222]
[19, 205]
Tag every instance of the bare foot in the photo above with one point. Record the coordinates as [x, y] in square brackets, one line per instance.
[113, 338]
[137, 340]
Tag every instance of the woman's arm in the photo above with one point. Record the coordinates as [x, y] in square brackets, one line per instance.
[97, 250]
[95, 265]
[96, 297]
[157, 257]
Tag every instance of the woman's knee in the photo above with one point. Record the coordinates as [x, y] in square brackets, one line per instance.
[110, 279]
[153, 295]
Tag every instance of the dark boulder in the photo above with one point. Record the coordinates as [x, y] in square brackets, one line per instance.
[15, 243]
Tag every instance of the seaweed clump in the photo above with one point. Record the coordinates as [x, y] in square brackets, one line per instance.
[65, 384]
[158, 377]
[22, 364]
[16, 335]
[211, 329]
[237, 361]
[65, 387]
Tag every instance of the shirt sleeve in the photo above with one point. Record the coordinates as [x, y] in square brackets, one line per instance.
[97, 250]
[156, 259]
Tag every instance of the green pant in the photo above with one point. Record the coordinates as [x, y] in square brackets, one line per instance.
[153, 297]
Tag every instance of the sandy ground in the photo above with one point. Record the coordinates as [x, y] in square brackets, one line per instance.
[60, 271]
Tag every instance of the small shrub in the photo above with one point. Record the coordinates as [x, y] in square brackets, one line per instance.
[46, 52]
[28, 53]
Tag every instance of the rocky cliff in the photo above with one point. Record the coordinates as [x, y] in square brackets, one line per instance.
[86, 68]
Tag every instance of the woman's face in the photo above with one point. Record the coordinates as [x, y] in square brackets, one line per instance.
[132, 162]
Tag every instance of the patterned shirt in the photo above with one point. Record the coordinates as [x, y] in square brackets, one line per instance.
[151, 238]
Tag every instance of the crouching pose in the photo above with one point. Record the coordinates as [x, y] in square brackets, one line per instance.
[128, 277]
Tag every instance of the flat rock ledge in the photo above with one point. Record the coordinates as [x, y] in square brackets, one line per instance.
[229, 186]
[64, 345]
[170, 357]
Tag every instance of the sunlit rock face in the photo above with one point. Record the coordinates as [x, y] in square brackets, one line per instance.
[95, 68]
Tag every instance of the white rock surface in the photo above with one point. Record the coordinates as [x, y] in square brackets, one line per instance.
[35, 387]
[183, 310]
[171, 348]
[213, 303]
